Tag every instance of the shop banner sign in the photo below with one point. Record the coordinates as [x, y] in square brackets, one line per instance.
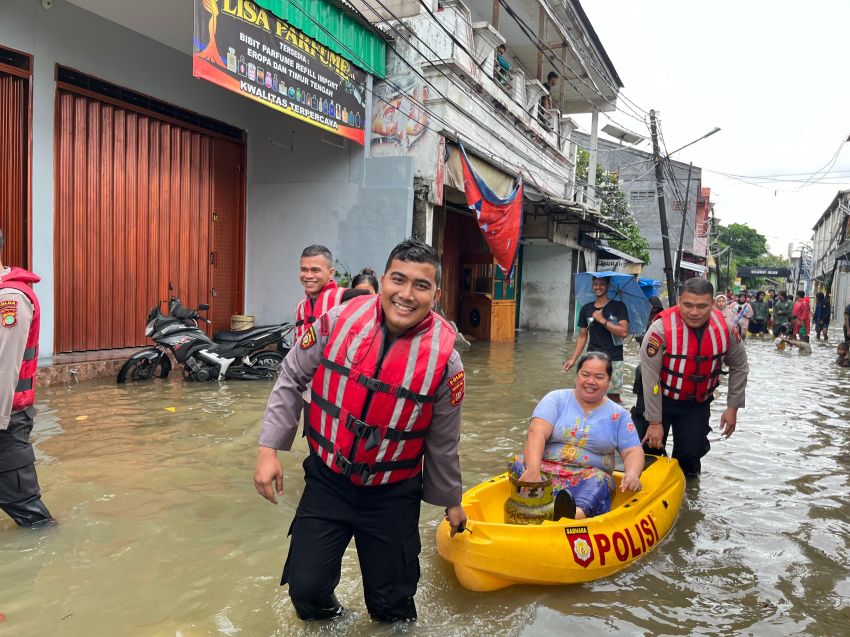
[250, 51]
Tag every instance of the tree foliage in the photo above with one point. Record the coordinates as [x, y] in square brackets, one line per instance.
[614, 207]
[748, 247]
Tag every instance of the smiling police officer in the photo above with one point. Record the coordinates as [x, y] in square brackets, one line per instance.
[387, 388]
[681, 357]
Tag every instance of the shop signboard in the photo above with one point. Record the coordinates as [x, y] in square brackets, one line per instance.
[248, 50]
[764, 271]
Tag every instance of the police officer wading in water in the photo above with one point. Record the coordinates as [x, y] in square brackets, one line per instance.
[20, 495]
[387, 388]
[681, 357]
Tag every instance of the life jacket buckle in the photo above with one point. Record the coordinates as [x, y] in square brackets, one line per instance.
[363, 430]
[372, 384]
[347, 468]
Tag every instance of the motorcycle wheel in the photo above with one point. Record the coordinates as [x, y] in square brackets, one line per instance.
[267, 363]
[141, 369]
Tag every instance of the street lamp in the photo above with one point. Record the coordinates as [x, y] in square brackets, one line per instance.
[698, 139]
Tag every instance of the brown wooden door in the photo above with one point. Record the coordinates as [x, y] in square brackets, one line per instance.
[14, 168]
[226, 259]
[133, 212]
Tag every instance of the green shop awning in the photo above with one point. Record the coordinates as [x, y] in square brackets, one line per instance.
[337, 29]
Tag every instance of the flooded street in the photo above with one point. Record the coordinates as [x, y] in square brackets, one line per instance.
[162, 533]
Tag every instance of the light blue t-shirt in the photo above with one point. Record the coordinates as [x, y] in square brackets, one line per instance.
[585, 441]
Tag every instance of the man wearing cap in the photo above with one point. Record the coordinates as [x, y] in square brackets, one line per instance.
[681, 358]
[20, 494]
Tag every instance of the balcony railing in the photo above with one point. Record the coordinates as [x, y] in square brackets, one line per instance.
[502, 81]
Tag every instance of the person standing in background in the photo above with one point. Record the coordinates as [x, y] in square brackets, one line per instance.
[823, 309]
[20, 315]
[802, 314]
[606, 323]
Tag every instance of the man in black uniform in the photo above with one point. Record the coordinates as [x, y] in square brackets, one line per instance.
[20, 494]
[606, 322]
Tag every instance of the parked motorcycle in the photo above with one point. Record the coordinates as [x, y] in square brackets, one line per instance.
[228, 355]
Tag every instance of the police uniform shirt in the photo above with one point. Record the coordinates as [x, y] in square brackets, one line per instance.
[442, 484]
[16, 313]
[652, 351]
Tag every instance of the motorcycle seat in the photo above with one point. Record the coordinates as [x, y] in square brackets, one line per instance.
[226, 336]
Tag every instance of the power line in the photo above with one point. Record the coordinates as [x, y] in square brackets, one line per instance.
[525, 28]
[423, 106]
[535, 40]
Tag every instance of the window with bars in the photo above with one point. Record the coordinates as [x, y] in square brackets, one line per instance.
[641, 195]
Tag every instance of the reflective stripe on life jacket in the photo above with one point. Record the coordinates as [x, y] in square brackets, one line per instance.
[690, 366]
[22, 280]
[372, 405]
[308, 311]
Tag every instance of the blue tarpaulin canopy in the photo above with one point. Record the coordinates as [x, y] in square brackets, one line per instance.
[650, 287]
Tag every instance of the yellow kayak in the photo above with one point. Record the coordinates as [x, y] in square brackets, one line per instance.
[494, 555]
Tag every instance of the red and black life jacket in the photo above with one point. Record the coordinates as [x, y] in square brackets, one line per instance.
[690, 366]
[309, 311]
[22, 280]
[372, 401]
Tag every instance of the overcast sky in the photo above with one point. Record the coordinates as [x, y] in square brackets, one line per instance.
[771, 74]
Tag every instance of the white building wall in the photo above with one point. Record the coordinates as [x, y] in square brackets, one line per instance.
[546, 281]
[312, 192]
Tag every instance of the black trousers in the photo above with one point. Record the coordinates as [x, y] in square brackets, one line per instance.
[20, 494]
[384, 522]
[689, 422]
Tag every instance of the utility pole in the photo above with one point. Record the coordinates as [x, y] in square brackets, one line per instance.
[682, 229]
[662, 213]
[729, 270]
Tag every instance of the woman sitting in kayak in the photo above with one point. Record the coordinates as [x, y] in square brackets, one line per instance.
[573, 436]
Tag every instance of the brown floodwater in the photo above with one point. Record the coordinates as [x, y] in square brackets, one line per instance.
[162, 533]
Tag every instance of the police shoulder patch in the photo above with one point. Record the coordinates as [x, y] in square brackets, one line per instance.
[325, 325]
[8, 313]
[456, 387]
[309, 338]
[653, 344]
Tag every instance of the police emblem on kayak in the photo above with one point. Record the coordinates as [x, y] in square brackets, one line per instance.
[578, 538]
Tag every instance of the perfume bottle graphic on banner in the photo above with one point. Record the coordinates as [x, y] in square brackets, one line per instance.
[298, 94]
[282, 88]
[357, 120]
[261, 75]
[332, 110]
[252, 71]
[231, 59]
[344, 115]
[291, 92]
[275, 85]
[338, 112]
[242, 67]
[268, 79]
[314, 103]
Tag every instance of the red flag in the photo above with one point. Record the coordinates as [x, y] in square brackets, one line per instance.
[500, 220]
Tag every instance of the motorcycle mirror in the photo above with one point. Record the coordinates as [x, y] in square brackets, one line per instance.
[203, 306]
